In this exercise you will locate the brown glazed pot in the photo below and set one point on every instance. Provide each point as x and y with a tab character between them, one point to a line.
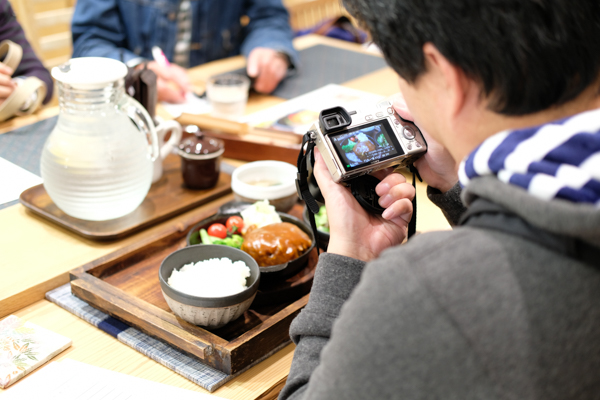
201	161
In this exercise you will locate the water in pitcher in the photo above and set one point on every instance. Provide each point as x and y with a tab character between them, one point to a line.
97	162
92	178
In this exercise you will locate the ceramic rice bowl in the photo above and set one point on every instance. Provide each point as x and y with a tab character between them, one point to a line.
209	312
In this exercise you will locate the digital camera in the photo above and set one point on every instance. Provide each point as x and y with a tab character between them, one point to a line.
355	143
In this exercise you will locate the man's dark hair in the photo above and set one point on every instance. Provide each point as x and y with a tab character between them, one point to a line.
527	54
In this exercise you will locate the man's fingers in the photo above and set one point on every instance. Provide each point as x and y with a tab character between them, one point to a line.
397	192
252	64
388	182
399	209
321	172
5	70
172	82
6	91
169	92
267	67
401	108
179	76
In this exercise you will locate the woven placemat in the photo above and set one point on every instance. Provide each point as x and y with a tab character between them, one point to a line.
192	369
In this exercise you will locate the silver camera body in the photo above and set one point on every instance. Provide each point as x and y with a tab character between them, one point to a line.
357	143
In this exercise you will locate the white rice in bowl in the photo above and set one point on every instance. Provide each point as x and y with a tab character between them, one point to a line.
211	278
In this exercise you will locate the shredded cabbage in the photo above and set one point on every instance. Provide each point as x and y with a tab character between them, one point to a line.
260	214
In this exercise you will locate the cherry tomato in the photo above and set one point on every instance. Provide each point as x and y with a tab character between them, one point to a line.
217	230
234	224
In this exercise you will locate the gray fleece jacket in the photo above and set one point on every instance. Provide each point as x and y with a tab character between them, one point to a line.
470	313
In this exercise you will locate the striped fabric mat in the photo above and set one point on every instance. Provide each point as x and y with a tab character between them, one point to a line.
201	374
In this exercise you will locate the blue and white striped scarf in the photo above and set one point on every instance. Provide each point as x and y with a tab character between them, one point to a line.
558	160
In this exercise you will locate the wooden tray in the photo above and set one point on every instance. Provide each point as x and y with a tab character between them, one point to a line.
166	198
125	285
246	143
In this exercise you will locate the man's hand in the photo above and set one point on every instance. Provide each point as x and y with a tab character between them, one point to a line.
353	231
7	86
436	167
172	82
268	67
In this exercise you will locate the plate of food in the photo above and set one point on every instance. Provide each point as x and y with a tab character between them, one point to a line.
279	242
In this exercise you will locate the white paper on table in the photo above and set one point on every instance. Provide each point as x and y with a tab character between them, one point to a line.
74	380
14	180
193	105
298	114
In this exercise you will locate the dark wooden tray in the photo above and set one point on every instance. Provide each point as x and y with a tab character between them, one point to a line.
125	285
167	197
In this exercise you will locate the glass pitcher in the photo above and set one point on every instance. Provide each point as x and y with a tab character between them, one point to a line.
97	162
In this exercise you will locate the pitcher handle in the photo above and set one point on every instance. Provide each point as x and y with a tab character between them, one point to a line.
140	117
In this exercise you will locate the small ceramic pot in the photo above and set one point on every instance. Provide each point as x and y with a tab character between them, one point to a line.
201	161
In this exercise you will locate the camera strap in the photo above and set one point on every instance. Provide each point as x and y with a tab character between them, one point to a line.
302	182
412	225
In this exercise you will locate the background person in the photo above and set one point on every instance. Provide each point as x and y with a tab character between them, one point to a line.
190	33
504	306
30	65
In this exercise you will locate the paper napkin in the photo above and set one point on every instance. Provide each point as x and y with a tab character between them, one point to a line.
25	346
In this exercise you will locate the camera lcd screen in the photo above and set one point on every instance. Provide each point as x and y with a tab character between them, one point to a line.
363	145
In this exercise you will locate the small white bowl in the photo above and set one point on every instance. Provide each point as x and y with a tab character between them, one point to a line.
266	180
210	312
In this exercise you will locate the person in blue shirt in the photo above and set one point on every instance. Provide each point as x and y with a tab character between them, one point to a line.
190	33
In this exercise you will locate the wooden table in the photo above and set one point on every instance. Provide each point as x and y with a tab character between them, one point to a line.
36	255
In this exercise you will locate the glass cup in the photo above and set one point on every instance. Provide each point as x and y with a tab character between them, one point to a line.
228	95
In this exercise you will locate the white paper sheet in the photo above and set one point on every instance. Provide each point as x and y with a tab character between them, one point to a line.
14	180
193	105
298	114
74	380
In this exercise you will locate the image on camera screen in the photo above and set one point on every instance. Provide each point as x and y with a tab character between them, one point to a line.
366	144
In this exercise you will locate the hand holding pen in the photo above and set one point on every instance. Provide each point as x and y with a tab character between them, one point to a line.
172	82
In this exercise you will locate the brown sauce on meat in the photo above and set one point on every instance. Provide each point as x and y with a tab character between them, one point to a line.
276	243
362	149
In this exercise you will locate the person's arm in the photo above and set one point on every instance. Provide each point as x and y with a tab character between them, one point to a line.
449	202
30	64
268	44
379	332
98	31
335	279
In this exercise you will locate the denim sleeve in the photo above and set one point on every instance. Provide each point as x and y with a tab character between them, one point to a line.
98	31
269	27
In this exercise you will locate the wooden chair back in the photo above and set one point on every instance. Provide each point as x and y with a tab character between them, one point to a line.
306	14
47	24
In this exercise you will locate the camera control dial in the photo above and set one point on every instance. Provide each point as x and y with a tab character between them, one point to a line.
408	132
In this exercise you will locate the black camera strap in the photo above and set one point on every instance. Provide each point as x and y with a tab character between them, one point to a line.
302	182
412	225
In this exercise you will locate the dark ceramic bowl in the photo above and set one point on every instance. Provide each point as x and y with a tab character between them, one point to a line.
271	272
322	237
210	312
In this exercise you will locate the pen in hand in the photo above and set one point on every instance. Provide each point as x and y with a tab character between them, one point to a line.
160	57
173	83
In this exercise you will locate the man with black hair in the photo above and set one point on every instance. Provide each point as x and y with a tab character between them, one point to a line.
505	305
